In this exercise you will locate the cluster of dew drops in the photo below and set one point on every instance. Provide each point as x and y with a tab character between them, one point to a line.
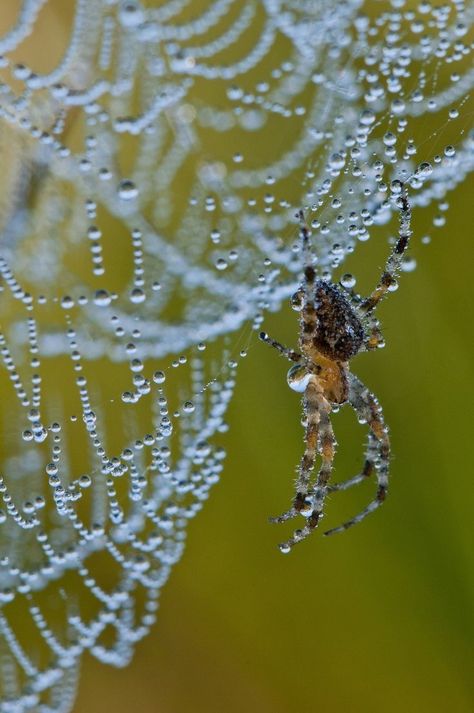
348	174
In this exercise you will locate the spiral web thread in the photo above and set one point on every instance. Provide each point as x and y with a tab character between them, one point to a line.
139	228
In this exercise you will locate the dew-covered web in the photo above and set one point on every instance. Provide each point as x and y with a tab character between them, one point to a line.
151	176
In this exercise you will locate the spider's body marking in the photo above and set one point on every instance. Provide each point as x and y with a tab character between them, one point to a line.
339	333
332	375
334	327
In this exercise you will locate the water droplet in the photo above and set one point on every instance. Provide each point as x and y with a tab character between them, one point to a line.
389	139
408	265
137	295
234	93
102	298
424	170
336	161
348	280
131	14
136	365
105	174
398	106
127	190
367	117
221	264
93	232
202	449
40	434
67	302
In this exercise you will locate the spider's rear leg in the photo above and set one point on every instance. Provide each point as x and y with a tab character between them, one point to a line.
310	501
311	408
368	469
368	408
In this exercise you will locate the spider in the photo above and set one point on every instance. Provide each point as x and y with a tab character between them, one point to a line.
335	325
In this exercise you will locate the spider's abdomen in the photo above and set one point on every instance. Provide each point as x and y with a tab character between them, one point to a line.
339	333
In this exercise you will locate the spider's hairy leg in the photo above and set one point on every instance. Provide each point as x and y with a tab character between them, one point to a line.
394	261
368	469
310	501
284	351
327	450
290	354
375	338
367	407
305	295
308	258
312	417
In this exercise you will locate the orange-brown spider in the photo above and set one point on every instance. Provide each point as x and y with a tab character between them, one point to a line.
335	325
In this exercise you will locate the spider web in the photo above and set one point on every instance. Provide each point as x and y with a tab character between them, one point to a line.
147	211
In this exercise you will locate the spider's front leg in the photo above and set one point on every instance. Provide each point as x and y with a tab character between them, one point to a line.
319	437
393	264
284	351
290	354
368	408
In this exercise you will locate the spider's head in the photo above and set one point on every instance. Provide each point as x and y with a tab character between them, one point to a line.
298	378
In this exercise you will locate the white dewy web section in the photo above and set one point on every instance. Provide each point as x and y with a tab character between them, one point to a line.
178	142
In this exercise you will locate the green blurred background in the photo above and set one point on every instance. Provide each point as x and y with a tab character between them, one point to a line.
376	619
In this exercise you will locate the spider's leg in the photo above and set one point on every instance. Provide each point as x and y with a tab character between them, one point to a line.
367	470
313	498
367	406
394	261
288	353
305	295
327	449
375	338
308	257
312	415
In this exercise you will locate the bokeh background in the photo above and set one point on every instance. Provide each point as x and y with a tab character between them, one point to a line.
377	619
